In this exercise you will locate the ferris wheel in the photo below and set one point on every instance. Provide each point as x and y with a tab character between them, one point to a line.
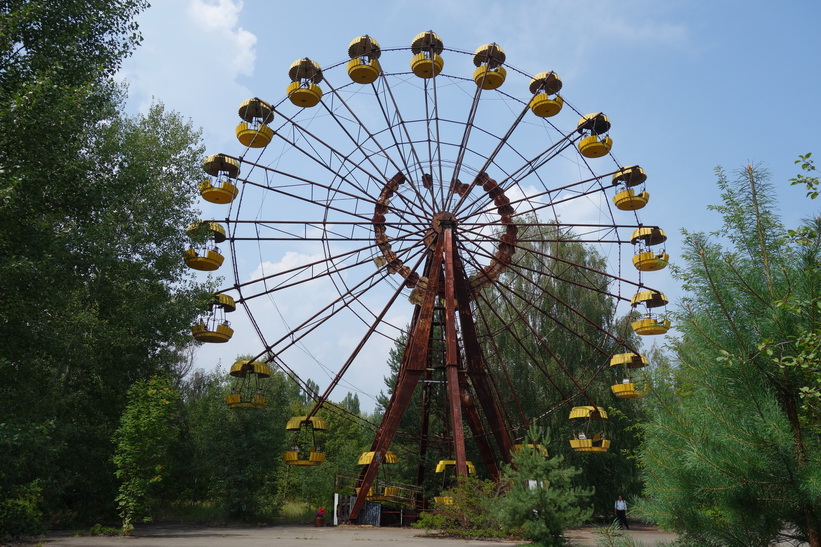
424	198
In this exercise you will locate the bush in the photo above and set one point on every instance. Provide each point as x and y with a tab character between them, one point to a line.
541	499
21	515
468	513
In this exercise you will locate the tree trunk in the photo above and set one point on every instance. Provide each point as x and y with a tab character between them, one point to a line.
810	518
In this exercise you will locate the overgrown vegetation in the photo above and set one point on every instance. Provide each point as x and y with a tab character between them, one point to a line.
93	209
541	498
731	455
467	510
535	499
143	445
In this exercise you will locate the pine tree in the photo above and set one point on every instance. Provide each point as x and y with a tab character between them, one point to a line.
728	458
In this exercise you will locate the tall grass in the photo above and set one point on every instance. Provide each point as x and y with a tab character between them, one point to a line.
296	512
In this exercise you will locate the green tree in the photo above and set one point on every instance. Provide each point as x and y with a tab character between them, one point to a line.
728	458
351	403
541	498
93	209
466	510
804	361
144	442
555	286
234	456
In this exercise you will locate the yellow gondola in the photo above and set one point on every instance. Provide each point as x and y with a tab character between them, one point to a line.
221	189
595	143
426	61
445	465
649	324
247	387
304	450
628	388
384	493
303	90
628	199
651	262
630	176
367	457
253	131
448	468
546	101
212	326
205	256
314	422
363	68
648	235
594	147
295	457
244	367
489	73
646	258
630	360
651	299
208	261
585	440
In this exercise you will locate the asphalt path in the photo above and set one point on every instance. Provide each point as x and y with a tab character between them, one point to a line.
188	535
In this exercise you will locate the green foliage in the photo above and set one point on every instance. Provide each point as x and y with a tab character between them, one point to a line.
94	207
96	282
351	403
556	288
541	498
20	512
143	446
468	511
233	457
293	512
731	457
73	40
809	181
100	530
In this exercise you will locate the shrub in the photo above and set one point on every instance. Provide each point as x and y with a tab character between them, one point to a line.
469	511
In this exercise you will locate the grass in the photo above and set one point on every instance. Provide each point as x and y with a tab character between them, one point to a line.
208	512
100	530
296	512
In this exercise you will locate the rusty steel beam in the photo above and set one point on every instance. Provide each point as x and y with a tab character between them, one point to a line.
414	361
457	429
423	439
476	368
452	356
476	427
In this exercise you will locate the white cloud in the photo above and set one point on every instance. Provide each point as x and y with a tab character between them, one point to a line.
289	261
193	56
220	20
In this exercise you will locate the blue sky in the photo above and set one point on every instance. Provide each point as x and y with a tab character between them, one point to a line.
688	85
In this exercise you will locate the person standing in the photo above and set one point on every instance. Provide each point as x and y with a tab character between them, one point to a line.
621	512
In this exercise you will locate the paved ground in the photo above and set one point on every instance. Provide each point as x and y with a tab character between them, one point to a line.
185	535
